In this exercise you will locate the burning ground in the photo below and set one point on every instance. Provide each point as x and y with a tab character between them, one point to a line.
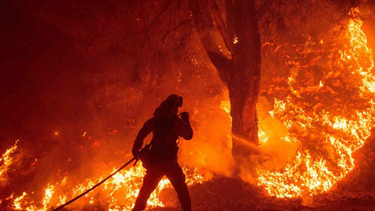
74	111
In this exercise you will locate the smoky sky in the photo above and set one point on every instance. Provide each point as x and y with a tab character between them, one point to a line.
37	60
40	63
74	64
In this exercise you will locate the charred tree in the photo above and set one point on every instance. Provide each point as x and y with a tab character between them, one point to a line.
234	47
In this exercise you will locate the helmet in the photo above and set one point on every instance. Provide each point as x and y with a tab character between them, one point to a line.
174	100
169	106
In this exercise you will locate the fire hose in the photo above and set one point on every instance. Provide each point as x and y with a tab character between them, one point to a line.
84	193
143	151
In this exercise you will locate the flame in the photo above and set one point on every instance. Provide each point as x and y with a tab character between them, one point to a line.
17	201
62	200
48	195
329	119
121	191
7	160
225	105
262	135
235	39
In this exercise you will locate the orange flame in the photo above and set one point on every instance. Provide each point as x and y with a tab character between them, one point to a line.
121	191
7	160
326	156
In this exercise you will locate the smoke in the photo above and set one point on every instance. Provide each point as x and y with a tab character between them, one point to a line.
211	146
273	151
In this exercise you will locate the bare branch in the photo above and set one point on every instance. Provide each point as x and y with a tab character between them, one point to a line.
183	23
152	22
209	33
221	26
264	8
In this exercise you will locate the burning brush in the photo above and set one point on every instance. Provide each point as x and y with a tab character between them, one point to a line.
328	109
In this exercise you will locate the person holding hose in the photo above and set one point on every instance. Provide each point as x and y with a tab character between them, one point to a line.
160	156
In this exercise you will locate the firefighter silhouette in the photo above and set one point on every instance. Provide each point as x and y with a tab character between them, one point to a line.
160	158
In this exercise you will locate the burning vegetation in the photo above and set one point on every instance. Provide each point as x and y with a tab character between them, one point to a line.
314	113
327	106
120	192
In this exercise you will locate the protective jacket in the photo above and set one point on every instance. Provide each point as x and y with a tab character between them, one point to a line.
166	133
162	158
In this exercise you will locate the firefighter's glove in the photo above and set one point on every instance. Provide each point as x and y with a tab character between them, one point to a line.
185	116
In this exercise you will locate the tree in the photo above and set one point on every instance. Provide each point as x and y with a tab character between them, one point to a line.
238	64
233	44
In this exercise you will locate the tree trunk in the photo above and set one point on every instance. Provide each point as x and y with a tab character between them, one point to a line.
238	65
244	90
